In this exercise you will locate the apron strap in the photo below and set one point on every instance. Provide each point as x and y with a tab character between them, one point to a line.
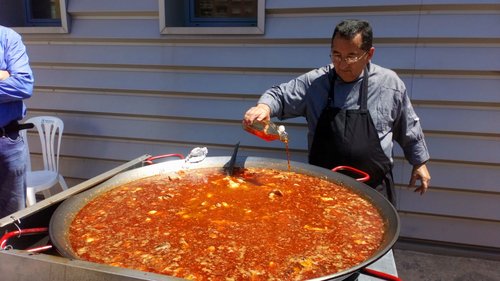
331	95
363	92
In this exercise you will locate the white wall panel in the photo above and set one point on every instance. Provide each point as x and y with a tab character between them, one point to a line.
197	107
465	89
321	26
328	3
112	5
169	130
450	230
478	58
255	56
460	176
460	120
477	26
451	203
463	148
159	80
135	28
274	4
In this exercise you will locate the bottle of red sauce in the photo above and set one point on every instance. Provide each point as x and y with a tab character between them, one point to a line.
267	131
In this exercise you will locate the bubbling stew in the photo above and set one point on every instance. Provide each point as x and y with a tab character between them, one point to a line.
259	224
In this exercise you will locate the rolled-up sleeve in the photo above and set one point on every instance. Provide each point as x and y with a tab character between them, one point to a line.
286	100
304	96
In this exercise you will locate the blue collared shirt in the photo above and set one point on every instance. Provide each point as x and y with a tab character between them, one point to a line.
19	85
388	104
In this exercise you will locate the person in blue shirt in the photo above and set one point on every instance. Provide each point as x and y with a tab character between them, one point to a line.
16	84
354	109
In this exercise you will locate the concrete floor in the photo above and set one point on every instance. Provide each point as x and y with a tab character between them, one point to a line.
415	264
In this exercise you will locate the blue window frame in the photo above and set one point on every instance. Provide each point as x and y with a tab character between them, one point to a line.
43	12
200	17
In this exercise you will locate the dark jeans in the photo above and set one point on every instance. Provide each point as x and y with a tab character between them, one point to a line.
13	157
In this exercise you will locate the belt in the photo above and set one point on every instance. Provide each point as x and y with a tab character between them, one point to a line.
14	126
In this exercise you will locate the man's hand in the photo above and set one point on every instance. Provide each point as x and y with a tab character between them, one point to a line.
421	173
260	112
4	74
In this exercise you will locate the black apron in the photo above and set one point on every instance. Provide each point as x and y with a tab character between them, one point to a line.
349	137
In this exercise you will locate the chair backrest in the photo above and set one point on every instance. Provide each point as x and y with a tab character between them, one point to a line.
50	130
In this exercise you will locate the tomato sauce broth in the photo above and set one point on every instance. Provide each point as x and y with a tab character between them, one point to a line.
259	224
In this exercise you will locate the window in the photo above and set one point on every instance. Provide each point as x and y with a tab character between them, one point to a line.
212	16
43	12
222	13
35	16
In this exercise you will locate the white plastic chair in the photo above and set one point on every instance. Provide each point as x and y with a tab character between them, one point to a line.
50	130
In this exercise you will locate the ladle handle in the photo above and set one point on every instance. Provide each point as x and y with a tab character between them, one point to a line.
149	160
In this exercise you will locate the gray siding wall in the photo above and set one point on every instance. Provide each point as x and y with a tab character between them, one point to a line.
124	90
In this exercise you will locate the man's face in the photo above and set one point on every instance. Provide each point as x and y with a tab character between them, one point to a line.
348	57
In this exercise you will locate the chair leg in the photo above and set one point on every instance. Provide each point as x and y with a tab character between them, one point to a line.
62	182
30	197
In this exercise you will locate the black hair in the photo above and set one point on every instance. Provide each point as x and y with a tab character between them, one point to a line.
349	28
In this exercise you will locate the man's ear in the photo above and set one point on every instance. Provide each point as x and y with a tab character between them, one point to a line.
370	53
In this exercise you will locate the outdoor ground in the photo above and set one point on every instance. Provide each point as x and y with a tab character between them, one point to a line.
463	265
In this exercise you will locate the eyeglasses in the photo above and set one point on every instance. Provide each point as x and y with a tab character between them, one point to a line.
348	59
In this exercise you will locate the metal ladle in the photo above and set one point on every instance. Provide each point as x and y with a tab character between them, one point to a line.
230	166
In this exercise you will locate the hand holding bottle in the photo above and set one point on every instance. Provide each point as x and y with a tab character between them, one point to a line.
260	112
267	130
257	121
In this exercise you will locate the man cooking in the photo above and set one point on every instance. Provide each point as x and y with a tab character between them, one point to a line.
354	110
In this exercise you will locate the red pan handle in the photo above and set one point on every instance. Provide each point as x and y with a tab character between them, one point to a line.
364	176
381	275
38	230
149	160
